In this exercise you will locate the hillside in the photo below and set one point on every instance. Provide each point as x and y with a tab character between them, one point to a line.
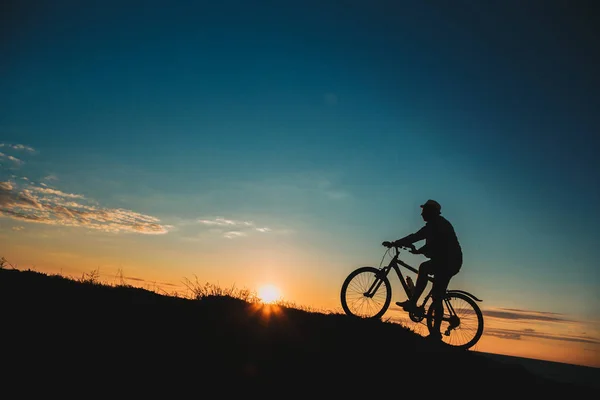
62	336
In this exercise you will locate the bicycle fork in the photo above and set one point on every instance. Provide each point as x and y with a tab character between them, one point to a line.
376	284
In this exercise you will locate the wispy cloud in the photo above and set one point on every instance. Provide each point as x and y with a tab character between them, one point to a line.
6	148
514	314
548	325
233	234
17	147
10	158
220	221
41	203
518	334
231	228
55	192
55	207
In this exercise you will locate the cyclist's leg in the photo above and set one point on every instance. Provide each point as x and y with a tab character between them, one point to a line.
425	269
438	291
446	270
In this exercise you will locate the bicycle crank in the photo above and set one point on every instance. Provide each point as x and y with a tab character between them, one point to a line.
417	316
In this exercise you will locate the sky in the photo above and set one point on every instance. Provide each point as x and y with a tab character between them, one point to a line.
246	143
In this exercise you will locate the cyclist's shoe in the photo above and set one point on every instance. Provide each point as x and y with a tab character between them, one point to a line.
408	305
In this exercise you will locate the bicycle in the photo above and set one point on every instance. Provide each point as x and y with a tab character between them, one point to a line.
367	293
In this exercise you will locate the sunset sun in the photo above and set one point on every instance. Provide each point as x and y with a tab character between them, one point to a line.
268	294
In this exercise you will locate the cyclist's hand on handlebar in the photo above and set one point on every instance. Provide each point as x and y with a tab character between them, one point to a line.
387	244
413	249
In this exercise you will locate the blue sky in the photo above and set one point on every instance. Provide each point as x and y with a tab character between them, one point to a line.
327	122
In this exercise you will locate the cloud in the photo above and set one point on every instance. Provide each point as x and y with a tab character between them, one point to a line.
16	161
55	207
219	221
504	334
17	147
13	159
10	198
518	334
542	319
231	228
514	314
57	192
233	234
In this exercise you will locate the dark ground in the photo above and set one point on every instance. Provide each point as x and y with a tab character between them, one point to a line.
65	338
562	372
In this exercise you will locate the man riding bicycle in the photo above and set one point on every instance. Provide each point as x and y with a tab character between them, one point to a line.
445	260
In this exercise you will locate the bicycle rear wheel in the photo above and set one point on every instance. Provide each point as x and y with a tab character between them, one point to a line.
462	322
365	293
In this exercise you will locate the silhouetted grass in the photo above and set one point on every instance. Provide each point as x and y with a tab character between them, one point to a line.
84	337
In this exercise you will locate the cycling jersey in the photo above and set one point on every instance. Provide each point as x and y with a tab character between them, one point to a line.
440	238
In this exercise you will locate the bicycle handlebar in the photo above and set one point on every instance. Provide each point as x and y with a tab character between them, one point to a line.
410	247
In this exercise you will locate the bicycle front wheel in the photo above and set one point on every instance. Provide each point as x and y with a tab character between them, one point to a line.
366	293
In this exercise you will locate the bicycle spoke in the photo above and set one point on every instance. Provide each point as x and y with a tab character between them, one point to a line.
355	299
462	322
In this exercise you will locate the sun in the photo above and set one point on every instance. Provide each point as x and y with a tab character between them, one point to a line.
269	294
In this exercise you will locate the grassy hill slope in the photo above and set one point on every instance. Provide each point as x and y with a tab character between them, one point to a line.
70	338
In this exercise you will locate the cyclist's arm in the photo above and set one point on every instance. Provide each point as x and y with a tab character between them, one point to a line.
423	250
421	234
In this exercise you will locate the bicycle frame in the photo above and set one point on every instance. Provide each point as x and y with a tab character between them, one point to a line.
395	264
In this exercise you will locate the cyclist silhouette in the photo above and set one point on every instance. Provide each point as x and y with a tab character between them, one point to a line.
445	260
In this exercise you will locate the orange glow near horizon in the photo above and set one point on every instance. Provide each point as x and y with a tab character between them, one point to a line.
267	311
529	334
269	294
